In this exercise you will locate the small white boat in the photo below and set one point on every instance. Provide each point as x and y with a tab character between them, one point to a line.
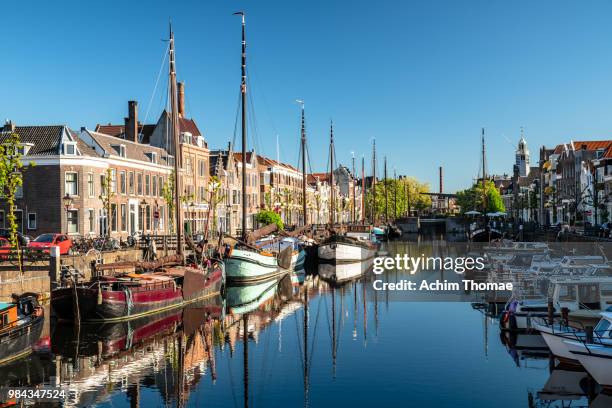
343	272
596	357
342	248
554	336
276	246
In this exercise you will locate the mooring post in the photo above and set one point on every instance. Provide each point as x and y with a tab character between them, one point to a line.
54	265
565	315
551	310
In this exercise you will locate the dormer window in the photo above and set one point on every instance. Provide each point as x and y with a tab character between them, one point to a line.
24	148
187	137
153	156
599	153
69	149
120	150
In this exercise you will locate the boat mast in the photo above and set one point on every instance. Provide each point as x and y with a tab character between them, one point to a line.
363	189
484	174
331	173
386	196
303	146
354	182
243	91
306	362
177	152
394	194
373	210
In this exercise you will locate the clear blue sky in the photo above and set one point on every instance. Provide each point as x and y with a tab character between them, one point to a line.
421	76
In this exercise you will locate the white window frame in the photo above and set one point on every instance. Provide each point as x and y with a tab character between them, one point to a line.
91	185
72	210
91	216
76	183
65	148
29	226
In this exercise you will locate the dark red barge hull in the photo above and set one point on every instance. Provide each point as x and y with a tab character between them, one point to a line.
129	304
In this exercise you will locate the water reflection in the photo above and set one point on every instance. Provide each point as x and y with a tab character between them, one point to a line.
317	337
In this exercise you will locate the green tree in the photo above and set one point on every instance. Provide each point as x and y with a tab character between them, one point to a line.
216	196
409	196
106	196
267	217
168	196
472	198
11	179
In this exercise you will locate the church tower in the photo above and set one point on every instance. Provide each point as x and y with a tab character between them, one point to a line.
522	156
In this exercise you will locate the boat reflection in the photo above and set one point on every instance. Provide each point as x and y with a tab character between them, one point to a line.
343	272
93	361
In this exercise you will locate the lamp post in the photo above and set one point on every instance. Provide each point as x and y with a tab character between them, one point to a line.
67	200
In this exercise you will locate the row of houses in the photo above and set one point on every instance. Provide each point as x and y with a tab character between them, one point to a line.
66	181
570	183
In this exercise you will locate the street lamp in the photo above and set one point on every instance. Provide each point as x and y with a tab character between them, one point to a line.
67	200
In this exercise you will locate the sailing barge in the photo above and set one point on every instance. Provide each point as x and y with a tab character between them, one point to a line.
132	295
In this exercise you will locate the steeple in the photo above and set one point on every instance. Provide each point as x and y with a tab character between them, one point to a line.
522	156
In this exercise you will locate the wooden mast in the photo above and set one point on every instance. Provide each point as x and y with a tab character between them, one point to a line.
484	175
243	91
177	151
363	189
374	182
354	197
303	147
331	173
386	196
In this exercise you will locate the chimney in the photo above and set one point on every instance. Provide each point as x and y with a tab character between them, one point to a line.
181	99
584	146
9	126
441	181
131	122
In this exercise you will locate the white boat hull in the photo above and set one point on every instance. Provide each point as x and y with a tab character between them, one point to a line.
557	346
341	252
250	266
596	359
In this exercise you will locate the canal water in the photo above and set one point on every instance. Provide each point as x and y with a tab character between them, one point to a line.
317	338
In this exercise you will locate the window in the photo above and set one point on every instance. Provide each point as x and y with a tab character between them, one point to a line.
113	183
31	221
147	184
123	217
90	185
19	192
154	157
201	168
122	151
69	148
148	217
188	165
154	186
122	182
114	217
131	182
91	218
1	219
73	221
102	189
139	184
160	180
202	193
71	186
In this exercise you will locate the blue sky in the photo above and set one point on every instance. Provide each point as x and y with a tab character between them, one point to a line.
421	76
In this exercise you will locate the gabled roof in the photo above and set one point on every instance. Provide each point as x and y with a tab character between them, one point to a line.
266	161
46	140
592	144
320	177
134	151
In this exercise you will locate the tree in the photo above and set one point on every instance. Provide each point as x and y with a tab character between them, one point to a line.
413	197
216	196
106	196
168	196
11	178
472	198
267	217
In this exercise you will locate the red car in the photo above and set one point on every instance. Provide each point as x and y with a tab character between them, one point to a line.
5	248
46	241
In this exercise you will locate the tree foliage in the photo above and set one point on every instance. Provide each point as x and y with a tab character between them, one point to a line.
11	178
267	217
472	198
402	195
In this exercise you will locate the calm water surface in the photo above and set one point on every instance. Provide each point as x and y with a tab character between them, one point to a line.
302	341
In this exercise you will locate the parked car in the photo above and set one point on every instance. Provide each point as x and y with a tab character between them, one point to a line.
5	248
24	240
45	241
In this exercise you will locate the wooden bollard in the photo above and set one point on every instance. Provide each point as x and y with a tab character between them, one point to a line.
54	265
551	311
588	330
